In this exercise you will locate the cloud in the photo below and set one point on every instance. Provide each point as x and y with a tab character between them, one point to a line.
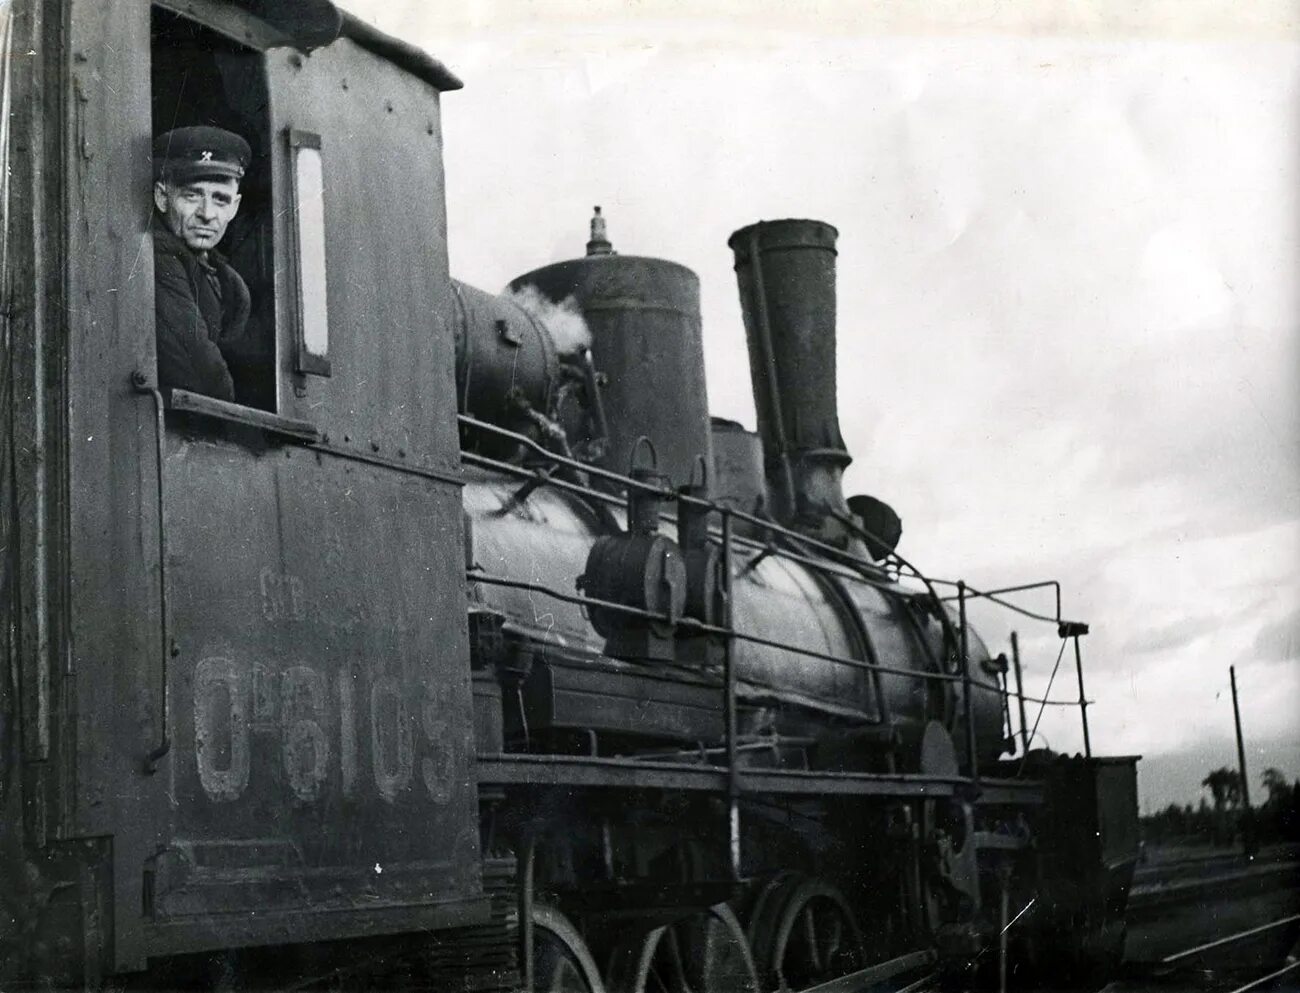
1279	641
1171	637
1175	777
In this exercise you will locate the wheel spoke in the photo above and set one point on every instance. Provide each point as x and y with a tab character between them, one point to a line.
677	967
835	938
815	962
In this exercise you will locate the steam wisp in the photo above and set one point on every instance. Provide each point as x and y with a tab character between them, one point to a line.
564	320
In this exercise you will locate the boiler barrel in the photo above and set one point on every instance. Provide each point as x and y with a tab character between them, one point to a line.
545	540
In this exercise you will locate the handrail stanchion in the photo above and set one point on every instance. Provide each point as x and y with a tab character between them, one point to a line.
1075	630
966	684
1020	689
729	691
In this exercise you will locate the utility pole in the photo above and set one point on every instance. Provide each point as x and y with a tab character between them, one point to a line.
1247	825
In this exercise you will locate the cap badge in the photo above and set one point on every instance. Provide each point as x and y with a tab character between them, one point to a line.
205	156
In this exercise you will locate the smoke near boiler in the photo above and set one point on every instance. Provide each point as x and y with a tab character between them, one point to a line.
563	320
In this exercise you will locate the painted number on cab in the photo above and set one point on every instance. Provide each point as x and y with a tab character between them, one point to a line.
311	728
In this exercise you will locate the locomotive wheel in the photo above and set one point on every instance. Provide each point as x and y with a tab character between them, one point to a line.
804	933
706	953
561	962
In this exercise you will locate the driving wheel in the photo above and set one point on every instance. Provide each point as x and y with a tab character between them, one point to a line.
804	933
561	962
704	953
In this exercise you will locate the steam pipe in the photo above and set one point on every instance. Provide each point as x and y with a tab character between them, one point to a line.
768	358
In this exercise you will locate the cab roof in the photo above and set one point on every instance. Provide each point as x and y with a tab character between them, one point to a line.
313	24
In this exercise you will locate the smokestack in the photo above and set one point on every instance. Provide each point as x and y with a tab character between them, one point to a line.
786	272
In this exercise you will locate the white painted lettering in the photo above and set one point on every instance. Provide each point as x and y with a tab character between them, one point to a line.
221	690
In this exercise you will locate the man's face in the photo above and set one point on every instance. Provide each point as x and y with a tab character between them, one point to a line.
198	210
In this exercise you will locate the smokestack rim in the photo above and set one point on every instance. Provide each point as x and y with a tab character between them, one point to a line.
786	233
603	282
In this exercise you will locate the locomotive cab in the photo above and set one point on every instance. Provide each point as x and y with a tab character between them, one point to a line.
242	707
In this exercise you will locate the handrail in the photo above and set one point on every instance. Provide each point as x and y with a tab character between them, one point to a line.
839	555
477	575
143	383
540	477
972	593
837	562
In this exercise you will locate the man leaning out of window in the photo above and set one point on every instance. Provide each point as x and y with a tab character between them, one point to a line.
201	303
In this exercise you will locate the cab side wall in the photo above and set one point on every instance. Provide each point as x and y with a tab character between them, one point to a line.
386	253
112	689
388	453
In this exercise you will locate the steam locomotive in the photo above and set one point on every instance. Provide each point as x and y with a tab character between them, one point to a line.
463	650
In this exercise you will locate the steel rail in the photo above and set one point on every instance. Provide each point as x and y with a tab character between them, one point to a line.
919	985
1229	939
1256	983
873	975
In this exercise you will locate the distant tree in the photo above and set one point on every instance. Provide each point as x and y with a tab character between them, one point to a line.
1276	819
1279	790
1279	817
1224	785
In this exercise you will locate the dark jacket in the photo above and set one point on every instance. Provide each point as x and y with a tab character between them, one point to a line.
200	308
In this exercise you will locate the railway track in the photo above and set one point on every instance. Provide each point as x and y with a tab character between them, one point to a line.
1238	962
1210	925
1222	924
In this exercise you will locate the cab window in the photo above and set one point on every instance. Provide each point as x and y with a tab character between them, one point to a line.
201	77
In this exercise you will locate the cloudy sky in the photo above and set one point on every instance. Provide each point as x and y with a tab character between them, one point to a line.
1069	289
